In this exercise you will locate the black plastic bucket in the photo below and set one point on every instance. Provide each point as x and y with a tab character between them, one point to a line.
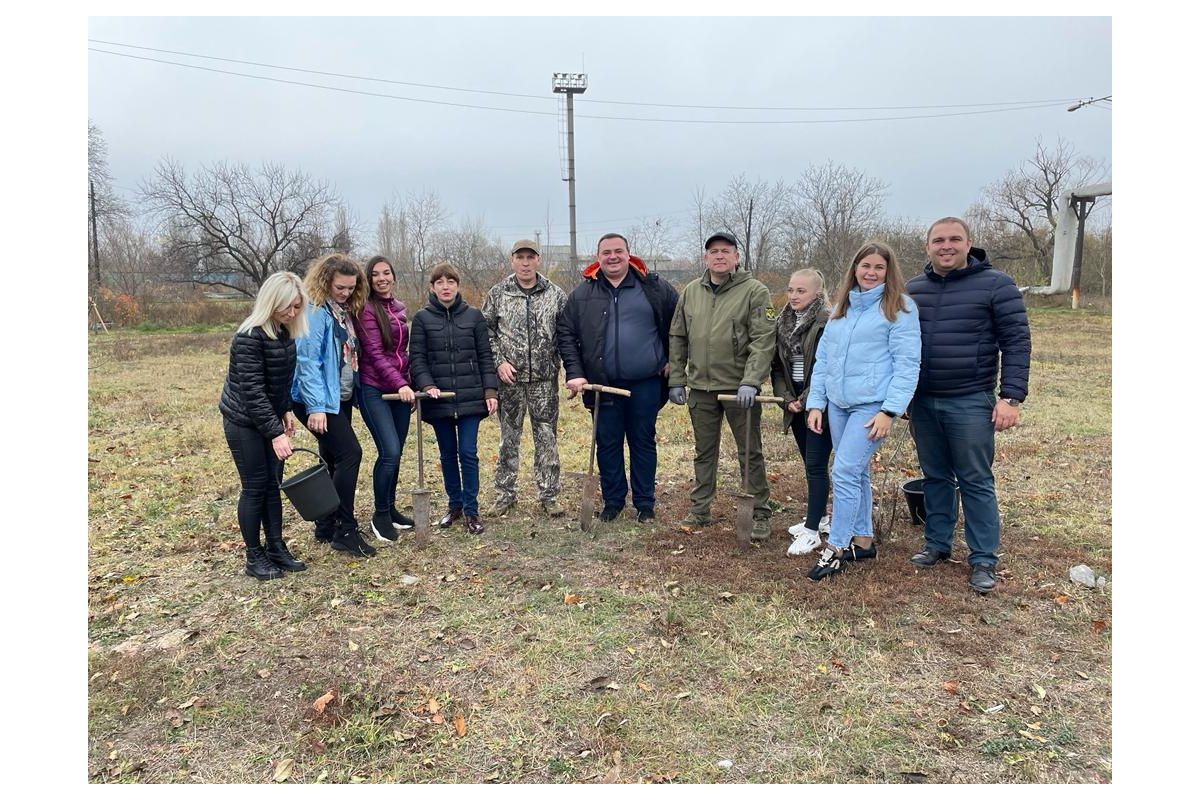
311	491
914	494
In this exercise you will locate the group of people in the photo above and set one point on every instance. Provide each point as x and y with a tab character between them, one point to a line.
843	367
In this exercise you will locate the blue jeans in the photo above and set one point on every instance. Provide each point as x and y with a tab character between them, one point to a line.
387	420
456	440
628	420
851	471
956	440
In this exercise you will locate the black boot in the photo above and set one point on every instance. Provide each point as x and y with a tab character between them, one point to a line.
259	566
278	553
349	540
326	529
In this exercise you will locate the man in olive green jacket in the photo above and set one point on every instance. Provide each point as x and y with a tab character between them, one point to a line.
722	342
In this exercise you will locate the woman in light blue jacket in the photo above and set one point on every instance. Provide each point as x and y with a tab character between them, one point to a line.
323	390
867	366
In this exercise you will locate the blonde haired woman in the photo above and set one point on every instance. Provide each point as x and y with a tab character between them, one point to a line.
798	332
254	406
324	388
867	367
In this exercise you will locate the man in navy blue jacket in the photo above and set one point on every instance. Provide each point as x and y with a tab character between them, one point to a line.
973	324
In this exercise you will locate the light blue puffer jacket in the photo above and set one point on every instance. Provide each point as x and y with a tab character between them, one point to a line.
863	358
317	385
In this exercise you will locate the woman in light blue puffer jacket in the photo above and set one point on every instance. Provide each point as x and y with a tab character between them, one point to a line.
868	362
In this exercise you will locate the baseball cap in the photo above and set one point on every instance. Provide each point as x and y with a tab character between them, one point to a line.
721	236
525	244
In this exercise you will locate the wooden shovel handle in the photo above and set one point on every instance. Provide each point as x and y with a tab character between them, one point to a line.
762	398
595	387
421	395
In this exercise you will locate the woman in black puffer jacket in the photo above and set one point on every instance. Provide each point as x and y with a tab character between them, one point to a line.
255	405
449	351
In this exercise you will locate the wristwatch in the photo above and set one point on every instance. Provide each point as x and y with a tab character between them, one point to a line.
1011	402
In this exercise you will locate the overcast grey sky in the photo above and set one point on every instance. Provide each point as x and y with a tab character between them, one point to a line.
506	166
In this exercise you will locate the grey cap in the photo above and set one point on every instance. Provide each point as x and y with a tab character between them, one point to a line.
721	236
525	244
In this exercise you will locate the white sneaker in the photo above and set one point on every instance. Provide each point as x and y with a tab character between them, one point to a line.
797	529
823	526
806	542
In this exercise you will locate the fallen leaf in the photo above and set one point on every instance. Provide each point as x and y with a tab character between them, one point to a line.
324	700
1062	599
353	646
264	673
726	596
822	668
460	725
665	777
545	588
571	599
283	770
187	703
1031	736
683	695
1082	675
1033	726
1098	625
644	687
437	719
337	601
950	686
837	662
433	705
1039	691
908	643
1035	710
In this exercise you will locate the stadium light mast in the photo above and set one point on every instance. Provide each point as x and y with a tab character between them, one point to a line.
571	84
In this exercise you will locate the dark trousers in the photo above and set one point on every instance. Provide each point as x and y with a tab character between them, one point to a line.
456	440
259	506
387	420
815	448
628	421
339	448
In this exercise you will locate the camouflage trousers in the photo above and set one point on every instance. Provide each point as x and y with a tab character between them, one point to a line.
540	398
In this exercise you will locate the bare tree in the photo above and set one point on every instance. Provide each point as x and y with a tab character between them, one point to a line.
480	262
834	210
133	261
652	240
753	211
698	206
104	206
1026	199
235	226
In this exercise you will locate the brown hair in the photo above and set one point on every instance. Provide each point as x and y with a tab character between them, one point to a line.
945	220
444	269
612	236
320	276
893	283
381	316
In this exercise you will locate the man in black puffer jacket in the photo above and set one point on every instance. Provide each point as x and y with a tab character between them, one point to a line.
973	323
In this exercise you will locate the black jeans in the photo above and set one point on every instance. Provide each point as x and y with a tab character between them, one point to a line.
343	455
259	506
815	447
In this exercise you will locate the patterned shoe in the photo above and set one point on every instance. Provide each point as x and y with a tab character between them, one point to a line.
831	562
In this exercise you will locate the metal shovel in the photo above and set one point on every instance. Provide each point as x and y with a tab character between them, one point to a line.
589	482
745	500
420	495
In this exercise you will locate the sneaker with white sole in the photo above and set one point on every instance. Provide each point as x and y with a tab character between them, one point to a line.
823	525
805	542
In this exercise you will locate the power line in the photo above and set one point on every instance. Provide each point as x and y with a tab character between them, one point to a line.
581	116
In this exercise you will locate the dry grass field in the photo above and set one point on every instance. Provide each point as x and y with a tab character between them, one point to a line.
535	653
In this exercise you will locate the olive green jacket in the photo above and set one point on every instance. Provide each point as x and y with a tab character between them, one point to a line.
721	340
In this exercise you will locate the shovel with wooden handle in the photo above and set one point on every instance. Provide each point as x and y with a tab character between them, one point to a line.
745	500
420	495
587	496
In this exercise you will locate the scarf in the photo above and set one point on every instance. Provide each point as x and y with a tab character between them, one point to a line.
350	346
792	327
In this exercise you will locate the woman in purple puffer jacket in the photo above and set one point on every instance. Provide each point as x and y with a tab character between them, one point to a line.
383	369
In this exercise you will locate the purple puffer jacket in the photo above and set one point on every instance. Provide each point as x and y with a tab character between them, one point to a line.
386	370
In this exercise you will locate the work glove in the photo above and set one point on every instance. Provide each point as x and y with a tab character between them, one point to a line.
746	395
675	395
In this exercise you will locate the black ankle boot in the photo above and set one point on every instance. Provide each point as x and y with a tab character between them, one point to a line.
259	566
278	553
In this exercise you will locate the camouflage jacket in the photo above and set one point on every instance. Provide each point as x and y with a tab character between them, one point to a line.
521	327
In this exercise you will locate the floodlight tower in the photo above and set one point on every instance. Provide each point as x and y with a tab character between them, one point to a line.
571	84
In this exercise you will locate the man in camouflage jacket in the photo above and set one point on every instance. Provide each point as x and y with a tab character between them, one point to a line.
521	312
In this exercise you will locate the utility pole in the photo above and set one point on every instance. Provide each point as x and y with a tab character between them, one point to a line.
95	238
571	84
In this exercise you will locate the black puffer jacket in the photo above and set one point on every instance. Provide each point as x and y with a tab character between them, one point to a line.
583	323
258	387
449	349
969	319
